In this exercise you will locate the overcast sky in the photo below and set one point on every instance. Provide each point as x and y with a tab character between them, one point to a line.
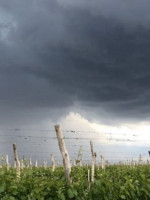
78	56
81	56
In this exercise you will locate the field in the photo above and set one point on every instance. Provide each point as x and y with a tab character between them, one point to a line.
115	183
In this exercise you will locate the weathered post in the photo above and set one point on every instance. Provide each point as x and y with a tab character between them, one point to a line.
45	164
81	163
7	163
30	163
74	163
53	162
102	162
140	159
93	162
64	153
132	163
17	163
36	163
89	177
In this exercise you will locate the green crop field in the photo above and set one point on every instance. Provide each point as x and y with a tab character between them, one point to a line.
116	183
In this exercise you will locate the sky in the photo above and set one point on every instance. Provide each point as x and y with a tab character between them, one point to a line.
63	61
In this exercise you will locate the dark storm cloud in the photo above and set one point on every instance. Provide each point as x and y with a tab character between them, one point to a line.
56	54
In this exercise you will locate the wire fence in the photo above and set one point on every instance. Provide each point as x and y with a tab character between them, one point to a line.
40	143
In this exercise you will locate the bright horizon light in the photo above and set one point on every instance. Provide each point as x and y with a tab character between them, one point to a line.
130	134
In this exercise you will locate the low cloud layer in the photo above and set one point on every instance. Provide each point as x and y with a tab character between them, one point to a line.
75	55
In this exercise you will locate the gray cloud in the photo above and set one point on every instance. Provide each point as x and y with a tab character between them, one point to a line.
70	55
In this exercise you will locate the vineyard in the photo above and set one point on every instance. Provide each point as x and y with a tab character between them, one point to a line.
115	183
76	181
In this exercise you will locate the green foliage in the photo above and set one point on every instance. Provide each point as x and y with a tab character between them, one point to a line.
116	183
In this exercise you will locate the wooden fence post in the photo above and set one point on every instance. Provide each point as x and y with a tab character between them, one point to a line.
36	163
64	153
16	160
89	177
53	162
30	163
93	162
102	162
140	159
7	163
45	164
74	163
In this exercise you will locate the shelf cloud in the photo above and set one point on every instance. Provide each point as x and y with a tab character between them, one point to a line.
82	56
